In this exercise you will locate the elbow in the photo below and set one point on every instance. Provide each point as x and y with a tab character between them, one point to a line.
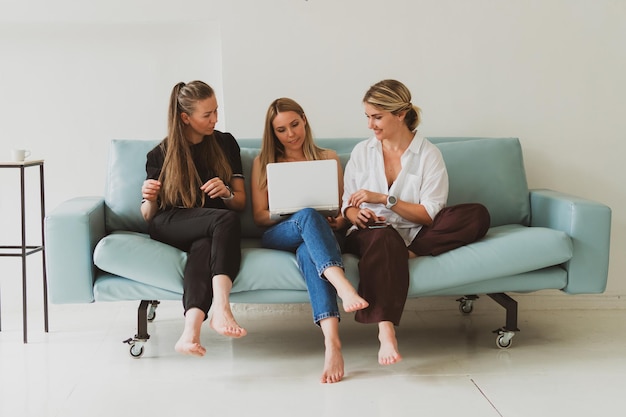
427	220
239	207
258	219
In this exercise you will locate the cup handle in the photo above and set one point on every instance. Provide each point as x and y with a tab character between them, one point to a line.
26	154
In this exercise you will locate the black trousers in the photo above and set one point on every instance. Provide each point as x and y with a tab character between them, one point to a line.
211	238
383	263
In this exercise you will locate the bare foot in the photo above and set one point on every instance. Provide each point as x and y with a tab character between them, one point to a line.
388	353
333	365
224	323
353	302
189	347
189	342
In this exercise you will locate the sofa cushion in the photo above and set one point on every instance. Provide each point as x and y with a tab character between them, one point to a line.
490	172
138	257
494	176
267	269
122	194
248	228
505	251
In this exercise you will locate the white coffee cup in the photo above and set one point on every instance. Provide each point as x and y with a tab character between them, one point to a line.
19	155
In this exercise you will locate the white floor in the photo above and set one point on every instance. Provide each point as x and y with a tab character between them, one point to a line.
561	363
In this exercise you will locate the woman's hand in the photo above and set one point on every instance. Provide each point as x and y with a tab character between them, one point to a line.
215	188
150	190
337	223
366	217
366	196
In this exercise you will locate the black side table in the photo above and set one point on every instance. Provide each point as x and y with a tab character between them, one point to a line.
24	250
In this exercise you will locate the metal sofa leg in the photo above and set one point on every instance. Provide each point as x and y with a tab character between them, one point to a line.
143	316
506	333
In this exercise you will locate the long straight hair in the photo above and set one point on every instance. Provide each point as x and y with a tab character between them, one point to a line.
271	148
180	179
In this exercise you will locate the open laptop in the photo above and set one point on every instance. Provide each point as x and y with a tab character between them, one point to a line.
292	186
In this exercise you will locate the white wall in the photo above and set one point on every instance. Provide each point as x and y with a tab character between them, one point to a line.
547	71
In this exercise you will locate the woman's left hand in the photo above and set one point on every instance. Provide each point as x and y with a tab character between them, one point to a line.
215	188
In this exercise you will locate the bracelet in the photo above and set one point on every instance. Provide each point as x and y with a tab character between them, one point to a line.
232	195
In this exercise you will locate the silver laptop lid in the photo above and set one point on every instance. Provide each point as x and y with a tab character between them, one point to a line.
292	186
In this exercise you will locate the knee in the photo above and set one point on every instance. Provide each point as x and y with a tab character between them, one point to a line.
230	220
387	239
483	220
309	215
201	246
390	237
230	216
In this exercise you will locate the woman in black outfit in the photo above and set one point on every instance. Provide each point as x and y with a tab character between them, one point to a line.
193	189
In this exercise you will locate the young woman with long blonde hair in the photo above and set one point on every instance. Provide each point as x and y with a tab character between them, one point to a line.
194	188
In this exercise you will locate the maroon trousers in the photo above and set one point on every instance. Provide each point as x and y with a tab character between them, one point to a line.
383	264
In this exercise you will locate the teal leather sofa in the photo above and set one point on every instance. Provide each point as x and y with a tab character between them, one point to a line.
97	248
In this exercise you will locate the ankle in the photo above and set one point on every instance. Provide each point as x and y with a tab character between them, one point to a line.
332	343
386	331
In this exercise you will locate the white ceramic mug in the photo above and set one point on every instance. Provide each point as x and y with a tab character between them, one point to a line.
19	155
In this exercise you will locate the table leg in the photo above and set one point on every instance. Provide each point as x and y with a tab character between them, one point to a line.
24	292
43	250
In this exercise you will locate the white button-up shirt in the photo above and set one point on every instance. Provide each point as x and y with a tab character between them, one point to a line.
423	179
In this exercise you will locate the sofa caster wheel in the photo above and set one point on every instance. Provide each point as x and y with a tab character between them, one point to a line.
151	315
136	350
466	307
504	339
466	304
135	347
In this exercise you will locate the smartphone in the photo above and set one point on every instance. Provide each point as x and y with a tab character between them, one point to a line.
378	225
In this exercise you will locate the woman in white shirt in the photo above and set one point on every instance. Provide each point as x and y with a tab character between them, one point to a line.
395	192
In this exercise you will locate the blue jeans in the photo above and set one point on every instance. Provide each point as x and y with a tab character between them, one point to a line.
308	234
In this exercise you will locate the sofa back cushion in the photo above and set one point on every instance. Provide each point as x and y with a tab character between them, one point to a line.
490	172
484	170
248	228
126	172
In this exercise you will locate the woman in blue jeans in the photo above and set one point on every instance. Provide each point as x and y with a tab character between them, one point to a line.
288	137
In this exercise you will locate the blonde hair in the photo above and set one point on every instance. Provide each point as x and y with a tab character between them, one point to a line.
272	149
180	179
394	97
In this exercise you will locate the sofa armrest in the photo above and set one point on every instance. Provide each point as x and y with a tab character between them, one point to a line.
588	223
72	230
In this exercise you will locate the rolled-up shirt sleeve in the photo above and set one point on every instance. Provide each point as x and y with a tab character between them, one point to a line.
434	190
